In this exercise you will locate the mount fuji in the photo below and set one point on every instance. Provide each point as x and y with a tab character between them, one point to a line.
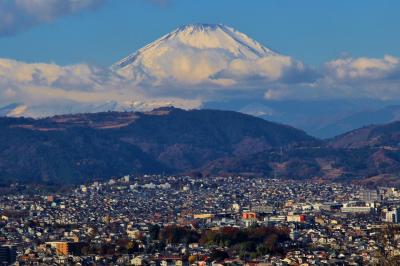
200	36
178	69
211	54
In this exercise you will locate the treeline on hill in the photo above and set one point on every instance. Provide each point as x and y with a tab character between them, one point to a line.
223	243
228	241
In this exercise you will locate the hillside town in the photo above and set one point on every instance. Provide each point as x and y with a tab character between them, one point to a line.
182	220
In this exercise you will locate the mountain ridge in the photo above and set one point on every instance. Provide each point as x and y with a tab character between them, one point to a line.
75	148
78	148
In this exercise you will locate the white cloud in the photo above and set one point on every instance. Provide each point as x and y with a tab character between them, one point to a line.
363	68
265	70
19	15
47	89
196	68
82	76
363	77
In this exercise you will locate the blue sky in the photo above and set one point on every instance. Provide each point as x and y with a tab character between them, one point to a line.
313	31
55	54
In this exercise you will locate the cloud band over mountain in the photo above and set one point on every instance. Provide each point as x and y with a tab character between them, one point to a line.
190	66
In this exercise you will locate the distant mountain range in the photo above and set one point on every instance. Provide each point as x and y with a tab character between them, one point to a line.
325	119
82	147
374	136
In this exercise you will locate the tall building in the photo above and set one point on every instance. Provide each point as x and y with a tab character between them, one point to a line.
357	207
393	216
370	195
294	234
126	178
8	255
60	247
262	208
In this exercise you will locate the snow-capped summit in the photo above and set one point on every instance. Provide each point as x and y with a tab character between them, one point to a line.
191	54
203	36
218	36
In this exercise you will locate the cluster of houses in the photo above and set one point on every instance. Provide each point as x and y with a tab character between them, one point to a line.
111	223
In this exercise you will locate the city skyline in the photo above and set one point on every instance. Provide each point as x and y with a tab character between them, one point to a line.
199	132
